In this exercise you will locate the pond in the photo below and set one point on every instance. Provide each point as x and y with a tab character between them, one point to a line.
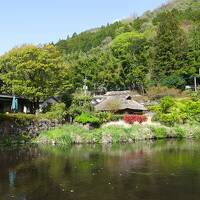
159	170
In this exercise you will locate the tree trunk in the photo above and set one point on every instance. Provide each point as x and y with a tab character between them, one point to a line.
35	105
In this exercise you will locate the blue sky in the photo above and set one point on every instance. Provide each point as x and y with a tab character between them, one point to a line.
43	21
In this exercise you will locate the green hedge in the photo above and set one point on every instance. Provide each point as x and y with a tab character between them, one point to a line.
86	118
19	118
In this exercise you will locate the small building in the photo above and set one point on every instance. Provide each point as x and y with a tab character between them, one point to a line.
119	102
6	101
50	101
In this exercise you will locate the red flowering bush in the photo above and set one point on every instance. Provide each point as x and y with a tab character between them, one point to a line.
131	119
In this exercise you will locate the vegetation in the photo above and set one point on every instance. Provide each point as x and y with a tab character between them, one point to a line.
57	111
34	72
171	111
170	51
81	103
87	118
71	134
18	118
158	48
157	54
131	119
158	92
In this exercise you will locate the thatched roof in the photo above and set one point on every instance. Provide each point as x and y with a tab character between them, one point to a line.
115	101
118	93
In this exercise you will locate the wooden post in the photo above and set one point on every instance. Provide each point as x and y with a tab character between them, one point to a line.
195	83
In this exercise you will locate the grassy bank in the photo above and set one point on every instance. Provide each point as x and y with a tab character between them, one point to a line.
71	134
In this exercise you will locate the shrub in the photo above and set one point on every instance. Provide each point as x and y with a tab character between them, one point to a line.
170	111
131	119
166	103
86	118
195	96
167	119
180	132
117	117
57	111
19	118
108	116
192	109
159	132
104	116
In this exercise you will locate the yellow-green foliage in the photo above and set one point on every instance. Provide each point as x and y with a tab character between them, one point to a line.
104	116
33	71
124	41
171	111
86	118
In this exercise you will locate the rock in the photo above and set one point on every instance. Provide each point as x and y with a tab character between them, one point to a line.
32	129
78	139
106	139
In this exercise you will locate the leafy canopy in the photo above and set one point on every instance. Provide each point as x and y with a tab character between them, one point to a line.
35	72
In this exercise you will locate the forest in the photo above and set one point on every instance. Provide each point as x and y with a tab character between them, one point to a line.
160	48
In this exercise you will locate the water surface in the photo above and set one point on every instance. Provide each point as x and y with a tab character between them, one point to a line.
167	170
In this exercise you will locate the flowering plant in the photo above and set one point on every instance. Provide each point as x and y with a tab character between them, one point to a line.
131	119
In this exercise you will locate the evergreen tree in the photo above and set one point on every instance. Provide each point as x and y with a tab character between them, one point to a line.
194	48
170	47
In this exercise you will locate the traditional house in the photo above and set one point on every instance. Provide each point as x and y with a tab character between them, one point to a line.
119	102
6	102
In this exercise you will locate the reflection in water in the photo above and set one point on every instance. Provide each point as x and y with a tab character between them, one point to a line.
149	170
12	177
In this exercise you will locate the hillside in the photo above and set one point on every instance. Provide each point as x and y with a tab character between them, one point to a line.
182	4
177	21
98	36
159	49
88	39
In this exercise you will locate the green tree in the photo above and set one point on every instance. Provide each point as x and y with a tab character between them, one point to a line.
194	48
170	47
131	49
34	72
173	81
81	103
100	68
